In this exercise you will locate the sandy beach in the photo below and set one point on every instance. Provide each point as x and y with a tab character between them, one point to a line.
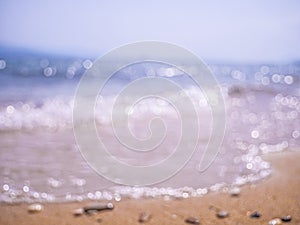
275	197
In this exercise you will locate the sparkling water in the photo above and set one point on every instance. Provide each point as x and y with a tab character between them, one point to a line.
40	160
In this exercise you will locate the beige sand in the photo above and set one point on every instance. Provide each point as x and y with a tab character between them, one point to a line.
277	196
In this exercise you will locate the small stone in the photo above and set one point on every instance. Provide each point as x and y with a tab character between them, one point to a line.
275	221
34	208
286	219
78	212
192	220
255	214
144	217
97	207
235	191
91	212
174	216
222	214
99	220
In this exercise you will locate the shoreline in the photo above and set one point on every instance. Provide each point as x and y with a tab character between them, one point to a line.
274	197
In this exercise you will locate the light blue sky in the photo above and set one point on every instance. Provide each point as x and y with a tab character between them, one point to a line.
237	31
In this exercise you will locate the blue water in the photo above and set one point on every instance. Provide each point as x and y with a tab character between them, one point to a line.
36	137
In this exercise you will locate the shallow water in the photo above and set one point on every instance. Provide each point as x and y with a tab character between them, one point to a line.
40	160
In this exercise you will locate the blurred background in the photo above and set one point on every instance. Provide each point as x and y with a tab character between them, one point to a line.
252	47
248	31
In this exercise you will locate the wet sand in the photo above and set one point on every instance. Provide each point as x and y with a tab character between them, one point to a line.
276	196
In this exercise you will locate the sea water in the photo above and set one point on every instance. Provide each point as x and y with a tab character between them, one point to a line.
41	161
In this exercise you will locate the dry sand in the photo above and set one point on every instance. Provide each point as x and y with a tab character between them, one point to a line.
276	196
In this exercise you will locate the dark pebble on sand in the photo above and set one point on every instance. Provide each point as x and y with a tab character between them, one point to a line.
97	207
222	214
255	214
192	220
144	217
287	218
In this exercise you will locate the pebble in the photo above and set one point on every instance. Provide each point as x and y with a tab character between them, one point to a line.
255	214
97	207
222	214
235	191
192	220
144	217
78	212
174	216
287	218
34	208
99	220
275	221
